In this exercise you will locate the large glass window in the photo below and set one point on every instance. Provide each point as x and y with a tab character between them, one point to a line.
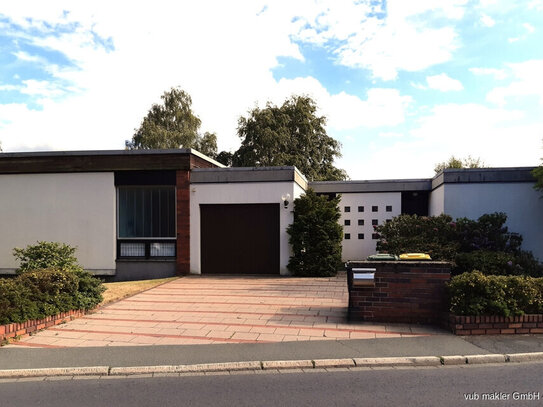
146	212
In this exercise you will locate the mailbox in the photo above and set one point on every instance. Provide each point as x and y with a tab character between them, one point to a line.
363	277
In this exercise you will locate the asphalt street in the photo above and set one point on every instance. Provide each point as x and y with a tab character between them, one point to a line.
495	385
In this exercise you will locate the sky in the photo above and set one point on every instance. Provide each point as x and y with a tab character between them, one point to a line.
404	84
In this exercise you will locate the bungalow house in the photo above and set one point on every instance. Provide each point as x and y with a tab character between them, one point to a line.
156	213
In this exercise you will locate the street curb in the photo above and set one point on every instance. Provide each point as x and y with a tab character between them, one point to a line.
56	371
270	365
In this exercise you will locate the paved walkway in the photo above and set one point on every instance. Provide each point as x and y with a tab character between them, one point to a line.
207	310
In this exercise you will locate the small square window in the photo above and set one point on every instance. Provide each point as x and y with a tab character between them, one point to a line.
361	235
347	209
360	222
375	236
347	236
374	208
374	222
389	208
347	222
360	209
388	220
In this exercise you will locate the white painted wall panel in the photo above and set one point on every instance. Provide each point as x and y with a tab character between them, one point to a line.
522	204
241	193
436	204
360	249
77	209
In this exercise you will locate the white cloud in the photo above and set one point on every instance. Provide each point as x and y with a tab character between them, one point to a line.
527	82
498	74
405	39
499	137
487	21
529	27
444	83
391	134
382	107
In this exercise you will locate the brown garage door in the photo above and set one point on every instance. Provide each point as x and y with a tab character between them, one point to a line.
240	239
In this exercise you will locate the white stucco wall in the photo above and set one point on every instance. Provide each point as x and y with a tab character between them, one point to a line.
436	201
76	208
241	193
522	204
360	249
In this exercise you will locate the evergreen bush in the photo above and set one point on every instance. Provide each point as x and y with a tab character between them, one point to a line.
315	236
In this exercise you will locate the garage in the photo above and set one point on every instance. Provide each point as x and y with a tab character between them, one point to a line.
239	238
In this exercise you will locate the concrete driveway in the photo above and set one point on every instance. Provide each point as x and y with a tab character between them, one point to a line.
225	309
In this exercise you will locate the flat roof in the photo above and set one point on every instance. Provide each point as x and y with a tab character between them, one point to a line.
394	185
247	174
102	160
479	175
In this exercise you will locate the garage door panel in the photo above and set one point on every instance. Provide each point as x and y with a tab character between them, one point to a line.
240	238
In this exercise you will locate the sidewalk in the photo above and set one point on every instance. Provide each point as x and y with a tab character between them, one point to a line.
439	345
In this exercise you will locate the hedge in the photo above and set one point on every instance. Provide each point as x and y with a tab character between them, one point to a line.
474	293
41	293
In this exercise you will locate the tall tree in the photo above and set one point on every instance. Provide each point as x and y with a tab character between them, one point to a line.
291	134
454	162
172	124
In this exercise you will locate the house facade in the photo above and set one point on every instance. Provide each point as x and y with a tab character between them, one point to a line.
157	213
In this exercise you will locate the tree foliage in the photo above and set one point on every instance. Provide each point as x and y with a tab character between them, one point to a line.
173	124
454	162
315	236
537	173
290	134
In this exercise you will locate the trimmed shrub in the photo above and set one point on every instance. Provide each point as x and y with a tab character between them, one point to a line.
45	255
315	236
435	235
16	303
487	233
477	294
41	293
49	281
498	263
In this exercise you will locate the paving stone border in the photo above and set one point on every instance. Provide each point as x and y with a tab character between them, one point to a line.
15	329
277	365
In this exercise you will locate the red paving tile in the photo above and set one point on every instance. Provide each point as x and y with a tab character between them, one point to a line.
199	310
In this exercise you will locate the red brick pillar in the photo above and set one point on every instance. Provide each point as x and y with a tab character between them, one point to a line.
183	221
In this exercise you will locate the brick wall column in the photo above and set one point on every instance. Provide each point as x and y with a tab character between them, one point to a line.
183	222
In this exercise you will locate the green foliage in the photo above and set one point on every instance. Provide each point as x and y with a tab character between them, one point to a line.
172	124
15	302
538	175
435	235
487	233
458	163
207	144
291	134
477	294
41	293
44	255
49	281
225	158
484	244
315	236
498	263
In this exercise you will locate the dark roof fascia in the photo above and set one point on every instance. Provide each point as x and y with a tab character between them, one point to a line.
483	175
246	175
397	185
98	161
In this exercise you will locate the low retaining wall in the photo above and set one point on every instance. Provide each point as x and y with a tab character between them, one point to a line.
25	328
404	291
495	325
